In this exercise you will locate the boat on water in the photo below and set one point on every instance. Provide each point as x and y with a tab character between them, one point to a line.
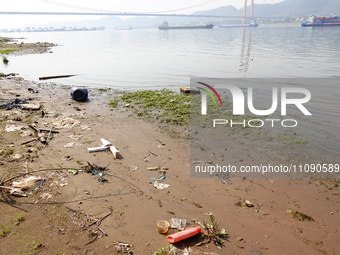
322	21
251	24
165	26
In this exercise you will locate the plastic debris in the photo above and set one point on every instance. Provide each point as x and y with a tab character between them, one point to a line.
152	168
46	196
94	170
105	143
180	224
13	128
26	133
101	179
28	183
132	167
163	226
85	127
78	94
161	178
65	123
123	248
75	137
160	185
97	149
31	106
17	192
73	171
71	145
18	188
179	236
17	156
114	151
248	203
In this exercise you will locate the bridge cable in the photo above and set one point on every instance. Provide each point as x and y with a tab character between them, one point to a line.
103	11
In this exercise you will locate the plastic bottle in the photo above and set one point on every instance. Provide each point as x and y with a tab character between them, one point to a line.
179	236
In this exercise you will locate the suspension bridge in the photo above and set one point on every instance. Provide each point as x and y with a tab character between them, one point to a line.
120	14
95	12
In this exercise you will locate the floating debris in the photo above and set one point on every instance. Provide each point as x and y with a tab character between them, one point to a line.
56	76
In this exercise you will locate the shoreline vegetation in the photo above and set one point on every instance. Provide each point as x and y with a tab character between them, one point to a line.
93	203
10	46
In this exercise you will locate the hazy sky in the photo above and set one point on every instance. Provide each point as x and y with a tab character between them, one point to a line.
167	6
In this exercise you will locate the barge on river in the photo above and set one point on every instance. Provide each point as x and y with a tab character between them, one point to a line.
322	21
165	26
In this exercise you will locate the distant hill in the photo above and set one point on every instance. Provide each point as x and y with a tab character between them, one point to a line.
292	8
286	8
309	7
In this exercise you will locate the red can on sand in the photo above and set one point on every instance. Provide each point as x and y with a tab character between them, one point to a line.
179	236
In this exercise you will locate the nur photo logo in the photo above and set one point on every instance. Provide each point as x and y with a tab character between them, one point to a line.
204	92
243	102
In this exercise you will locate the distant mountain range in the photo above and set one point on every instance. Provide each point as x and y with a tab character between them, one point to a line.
298	8
295	8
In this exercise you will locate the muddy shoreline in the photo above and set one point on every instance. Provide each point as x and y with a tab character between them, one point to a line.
10	46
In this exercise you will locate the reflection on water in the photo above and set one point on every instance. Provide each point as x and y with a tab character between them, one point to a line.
245	50
152	58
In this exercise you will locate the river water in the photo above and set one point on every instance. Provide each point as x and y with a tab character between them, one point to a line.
152	58
155	59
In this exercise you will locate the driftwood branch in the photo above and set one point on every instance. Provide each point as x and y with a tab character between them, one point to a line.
56	76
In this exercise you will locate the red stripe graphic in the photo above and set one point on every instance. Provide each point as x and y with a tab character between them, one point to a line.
213	90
